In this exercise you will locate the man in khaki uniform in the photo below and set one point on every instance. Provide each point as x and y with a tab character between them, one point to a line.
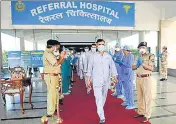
163	68
144	68
57	54
51	71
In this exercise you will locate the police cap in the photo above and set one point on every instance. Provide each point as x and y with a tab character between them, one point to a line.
142	44
52	42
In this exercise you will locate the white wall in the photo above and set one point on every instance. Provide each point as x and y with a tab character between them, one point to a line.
147	18
168	38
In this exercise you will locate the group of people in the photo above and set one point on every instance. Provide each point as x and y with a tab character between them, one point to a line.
97	67
82	64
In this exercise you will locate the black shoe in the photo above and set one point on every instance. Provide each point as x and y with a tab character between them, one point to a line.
162	79
55	111
165	79
49	116
102	121
60	101
138	116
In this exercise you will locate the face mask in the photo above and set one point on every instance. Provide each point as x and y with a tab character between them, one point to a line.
93	49
101	48
56	53
142	50
86	50
117	49
55	48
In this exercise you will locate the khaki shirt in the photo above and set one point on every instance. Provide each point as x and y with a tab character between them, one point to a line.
164	58
50	63
148	59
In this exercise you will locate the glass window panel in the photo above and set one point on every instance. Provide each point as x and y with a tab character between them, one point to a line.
28	45
8	36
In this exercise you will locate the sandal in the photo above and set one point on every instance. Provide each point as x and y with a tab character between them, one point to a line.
59	120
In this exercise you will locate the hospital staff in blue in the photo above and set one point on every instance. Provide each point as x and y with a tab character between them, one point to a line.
127	76
69	69
117	57
100	68
65	79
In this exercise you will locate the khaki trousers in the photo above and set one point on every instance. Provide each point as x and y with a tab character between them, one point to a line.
164	70
52	93
144	96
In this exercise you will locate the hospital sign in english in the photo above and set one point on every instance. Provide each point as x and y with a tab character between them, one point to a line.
74	13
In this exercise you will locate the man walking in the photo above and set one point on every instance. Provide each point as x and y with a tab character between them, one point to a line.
100	68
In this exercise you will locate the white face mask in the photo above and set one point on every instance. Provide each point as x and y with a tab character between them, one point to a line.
86	50
101	48
164	50
117	49
56	53
55	48
93	49
142	51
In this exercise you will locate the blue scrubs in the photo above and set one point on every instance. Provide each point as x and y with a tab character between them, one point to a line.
127	78
65	81
119	88
69	70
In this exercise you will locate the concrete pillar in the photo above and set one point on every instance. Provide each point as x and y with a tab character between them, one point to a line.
35	45
119	40
22	44
141	36
20	34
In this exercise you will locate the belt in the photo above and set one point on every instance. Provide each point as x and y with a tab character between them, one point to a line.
143	75
51	74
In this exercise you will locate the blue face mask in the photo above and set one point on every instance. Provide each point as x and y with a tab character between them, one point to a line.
101	48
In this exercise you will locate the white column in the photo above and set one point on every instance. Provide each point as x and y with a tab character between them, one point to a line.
22	44
20	34
35	45
141	36
119	40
